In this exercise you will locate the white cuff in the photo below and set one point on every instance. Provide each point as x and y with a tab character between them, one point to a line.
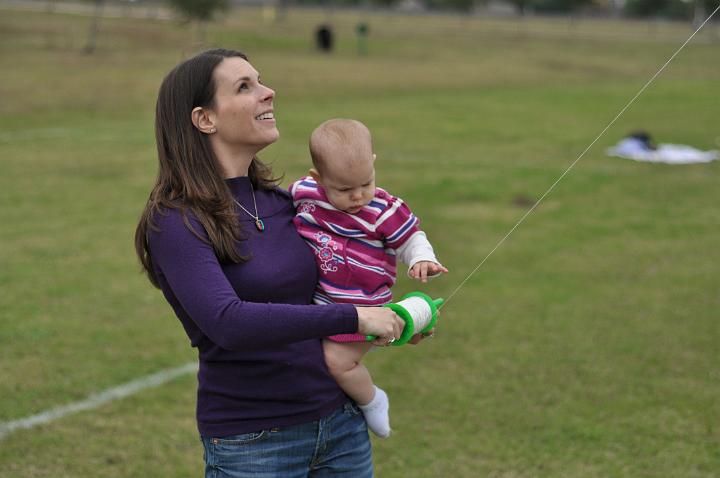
417	249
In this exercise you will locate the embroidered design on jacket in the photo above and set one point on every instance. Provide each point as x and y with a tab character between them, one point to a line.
326	252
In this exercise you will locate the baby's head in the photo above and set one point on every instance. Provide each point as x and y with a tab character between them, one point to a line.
343	161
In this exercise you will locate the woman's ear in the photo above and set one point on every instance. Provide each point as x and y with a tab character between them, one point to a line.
202	120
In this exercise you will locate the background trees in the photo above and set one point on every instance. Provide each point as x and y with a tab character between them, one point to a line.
199	12
677	9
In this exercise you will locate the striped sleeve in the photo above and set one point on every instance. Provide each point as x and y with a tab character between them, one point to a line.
397	223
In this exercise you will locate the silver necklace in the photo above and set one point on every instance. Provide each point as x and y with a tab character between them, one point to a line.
258	222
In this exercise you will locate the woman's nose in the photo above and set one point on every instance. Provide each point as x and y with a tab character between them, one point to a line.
268	94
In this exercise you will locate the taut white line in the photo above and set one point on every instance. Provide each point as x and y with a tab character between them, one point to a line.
578	158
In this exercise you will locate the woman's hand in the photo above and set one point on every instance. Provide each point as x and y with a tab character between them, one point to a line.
381	322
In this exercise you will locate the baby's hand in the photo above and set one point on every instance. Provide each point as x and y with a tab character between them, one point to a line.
421	270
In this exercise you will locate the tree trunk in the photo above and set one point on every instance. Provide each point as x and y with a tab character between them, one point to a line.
200	35
700	14
282	8
91	44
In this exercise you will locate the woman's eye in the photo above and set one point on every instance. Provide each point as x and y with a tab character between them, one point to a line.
244	86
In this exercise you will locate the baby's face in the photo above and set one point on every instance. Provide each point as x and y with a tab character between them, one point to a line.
349	185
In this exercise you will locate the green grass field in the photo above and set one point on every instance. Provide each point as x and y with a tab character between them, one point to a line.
586	346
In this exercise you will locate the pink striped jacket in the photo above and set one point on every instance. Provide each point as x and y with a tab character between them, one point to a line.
355	253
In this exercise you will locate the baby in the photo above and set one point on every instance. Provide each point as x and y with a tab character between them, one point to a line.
356	231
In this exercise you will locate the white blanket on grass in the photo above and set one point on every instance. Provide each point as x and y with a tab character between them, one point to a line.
631	148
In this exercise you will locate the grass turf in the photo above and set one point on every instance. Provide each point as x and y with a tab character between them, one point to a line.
586	346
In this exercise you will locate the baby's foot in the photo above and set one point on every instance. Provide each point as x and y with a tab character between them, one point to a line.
377	414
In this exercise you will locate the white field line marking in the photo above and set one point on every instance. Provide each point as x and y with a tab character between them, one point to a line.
642	90
98	399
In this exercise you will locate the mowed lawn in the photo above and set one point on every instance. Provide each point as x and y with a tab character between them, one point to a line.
587	345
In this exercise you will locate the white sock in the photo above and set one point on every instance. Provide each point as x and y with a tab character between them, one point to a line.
377	414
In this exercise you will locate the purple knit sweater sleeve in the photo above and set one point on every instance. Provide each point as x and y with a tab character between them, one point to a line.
203	291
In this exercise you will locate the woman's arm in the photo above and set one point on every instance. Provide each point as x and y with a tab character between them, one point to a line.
195	278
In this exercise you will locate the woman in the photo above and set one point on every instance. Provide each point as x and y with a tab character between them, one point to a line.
217	238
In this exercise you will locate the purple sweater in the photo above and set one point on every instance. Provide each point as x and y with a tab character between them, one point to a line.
258	337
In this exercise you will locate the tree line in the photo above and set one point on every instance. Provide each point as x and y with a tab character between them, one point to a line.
676	9
695	10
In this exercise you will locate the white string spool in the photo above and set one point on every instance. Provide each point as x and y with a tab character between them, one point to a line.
419	310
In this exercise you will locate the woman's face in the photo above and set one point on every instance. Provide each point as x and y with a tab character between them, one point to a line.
243	109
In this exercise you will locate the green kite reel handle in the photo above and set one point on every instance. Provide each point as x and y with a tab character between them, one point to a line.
421	321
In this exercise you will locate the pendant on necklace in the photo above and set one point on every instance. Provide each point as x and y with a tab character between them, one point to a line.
259	224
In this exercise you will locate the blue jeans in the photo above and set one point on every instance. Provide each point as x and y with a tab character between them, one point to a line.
337	445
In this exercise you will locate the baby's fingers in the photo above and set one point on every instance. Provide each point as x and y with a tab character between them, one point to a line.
424	271
437	268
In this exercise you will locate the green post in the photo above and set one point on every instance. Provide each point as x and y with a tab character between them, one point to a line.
362	29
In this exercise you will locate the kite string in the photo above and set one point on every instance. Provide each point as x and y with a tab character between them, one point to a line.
527	213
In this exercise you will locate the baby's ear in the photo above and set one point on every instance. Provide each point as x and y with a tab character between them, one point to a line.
315	175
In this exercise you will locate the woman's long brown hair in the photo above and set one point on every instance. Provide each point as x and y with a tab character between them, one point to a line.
189	175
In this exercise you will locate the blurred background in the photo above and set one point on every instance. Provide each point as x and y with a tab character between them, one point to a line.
586	346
